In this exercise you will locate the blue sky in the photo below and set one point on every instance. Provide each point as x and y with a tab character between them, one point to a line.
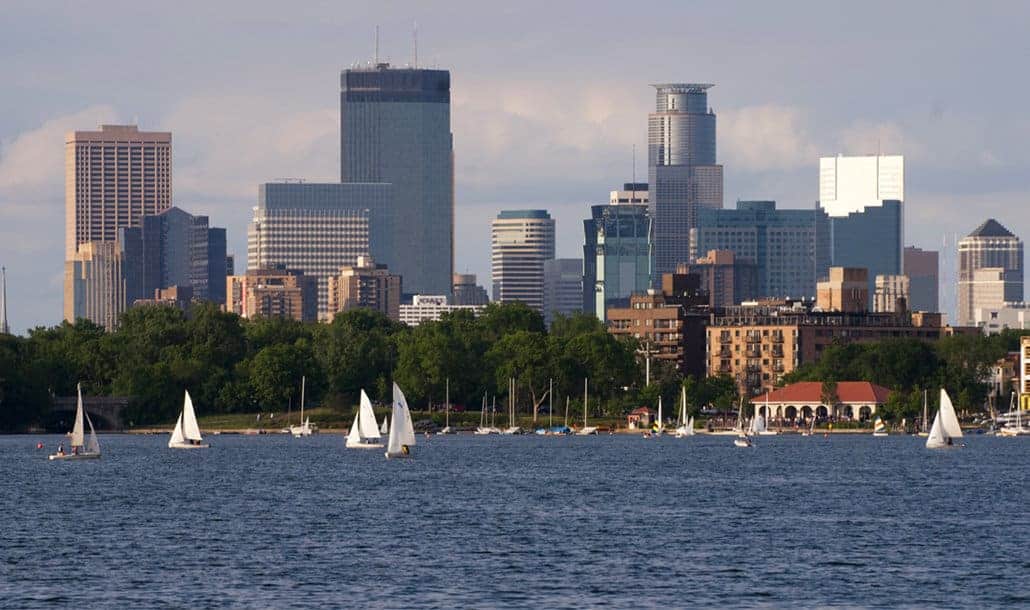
548	101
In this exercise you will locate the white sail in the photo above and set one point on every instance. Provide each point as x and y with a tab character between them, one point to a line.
190	429
683	406
402	434
78	433
949	421
177	437
936	439
93	446
690	427
367	419
878	425
354	437
385	428
661	422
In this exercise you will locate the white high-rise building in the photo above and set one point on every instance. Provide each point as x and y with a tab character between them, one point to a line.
521	240
850	184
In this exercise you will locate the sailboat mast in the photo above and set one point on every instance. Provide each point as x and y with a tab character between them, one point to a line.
303	384
550	403
493	413
925	429
447	404
585	396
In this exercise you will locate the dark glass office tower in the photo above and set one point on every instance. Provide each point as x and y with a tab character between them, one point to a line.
395	127
682	171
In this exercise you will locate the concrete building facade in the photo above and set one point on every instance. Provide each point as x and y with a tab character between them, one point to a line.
317	228
114	177
683	175
758	345
395	127
727	279
846	290
892	294
989	246
94	284
922	268
521	240
563	287
365	285
465	290
273	293
430	308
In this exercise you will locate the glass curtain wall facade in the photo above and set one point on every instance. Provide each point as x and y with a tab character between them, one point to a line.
395	127
789	248
683	176
872	239
618	258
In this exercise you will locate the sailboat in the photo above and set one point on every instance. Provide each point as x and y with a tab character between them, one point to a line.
945	425
187	433
926	419
1012	423
402	434
743	439
364	432
512	428
659	425
811	427
686	427
879	428
80	449
761	422
385	428
304	429
586	430
447	411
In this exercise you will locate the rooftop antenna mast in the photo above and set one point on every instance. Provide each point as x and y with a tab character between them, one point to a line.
634	173
377	46
414	45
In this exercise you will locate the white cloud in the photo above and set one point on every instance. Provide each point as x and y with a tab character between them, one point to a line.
32	163
763	138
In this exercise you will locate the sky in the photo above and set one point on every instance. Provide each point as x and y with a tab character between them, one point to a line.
549	100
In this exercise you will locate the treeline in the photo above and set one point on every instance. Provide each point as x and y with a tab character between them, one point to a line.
231	364
961	364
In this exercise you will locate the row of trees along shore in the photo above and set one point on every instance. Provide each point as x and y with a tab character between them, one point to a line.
234	365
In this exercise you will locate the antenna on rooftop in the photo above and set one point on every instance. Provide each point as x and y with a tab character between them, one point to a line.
414	45
634	171
376	56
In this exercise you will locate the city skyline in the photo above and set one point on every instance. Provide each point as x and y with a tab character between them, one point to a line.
532	129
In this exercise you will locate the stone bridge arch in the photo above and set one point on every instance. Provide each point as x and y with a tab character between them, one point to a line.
104	411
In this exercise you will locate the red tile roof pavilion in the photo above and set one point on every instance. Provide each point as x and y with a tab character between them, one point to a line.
811	392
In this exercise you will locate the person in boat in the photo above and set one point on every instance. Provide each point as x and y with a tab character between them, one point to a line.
405	450
60	449
75	450
950	442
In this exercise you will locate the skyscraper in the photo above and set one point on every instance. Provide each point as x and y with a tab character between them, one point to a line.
521	240
989	247
113	178
789	248
922	268
315	228
175	248
467	292
617	254
563	287
395	127
864	197
94	283
683	176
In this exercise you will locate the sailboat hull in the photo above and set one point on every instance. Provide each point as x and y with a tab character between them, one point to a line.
72	456
188	446
364	445
589	430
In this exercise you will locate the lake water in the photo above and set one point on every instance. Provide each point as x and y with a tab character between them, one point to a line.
550	522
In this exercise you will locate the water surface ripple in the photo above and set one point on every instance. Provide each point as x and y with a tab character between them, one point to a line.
276	522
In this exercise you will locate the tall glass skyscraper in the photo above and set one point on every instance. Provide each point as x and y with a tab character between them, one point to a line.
682	171
617	256
520	242
395	127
